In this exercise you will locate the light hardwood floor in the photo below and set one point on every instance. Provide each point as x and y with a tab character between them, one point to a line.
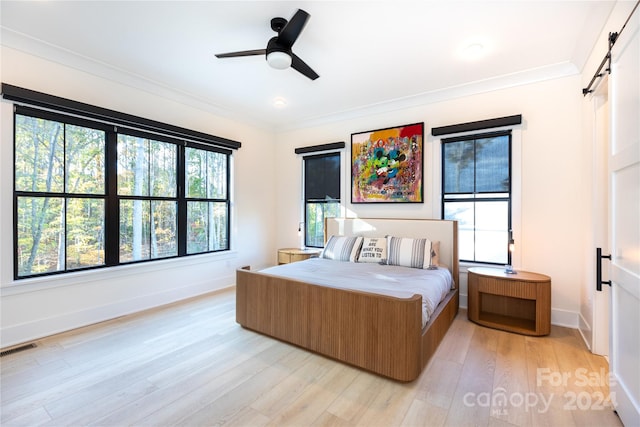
190	364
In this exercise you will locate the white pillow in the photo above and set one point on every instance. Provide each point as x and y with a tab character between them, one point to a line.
374	249
409	252
342	248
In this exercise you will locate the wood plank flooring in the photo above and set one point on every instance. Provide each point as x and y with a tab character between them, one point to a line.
190	364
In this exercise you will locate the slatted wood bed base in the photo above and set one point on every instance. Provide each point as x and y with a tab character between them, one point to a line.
377	333
381	334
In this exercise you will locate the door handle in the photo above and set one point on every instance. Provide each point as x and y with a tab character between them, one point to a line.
599	281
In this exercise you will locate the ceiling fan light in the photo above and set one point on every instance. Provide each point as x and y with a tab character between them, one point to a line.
279	60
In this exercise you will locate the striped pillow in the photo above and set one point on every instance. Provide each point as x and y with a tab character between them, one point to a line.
342	248
408	252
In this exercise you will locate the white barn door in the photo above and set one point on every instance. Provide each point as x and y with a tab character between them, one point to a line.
624	223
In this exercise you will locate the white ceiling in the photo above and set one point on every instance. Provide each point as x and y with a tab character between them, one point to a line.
371	56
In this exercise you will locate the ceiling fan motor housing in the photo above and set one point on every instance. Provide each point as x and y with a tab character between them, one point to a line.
277	24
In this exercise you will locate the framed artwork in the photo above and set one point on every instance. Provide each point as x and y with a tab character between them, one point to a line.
386	165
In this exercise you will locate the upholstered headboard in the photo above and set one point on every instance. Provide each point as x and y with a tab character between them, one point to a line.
444	231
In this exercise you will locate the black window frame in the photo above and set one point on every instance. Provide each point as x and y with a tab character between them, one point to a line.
186	199
111	197
307	200
480	196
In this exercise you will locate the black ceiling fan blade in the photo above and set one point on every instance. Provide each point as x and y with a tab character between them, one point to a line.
292	30
242	53
300	66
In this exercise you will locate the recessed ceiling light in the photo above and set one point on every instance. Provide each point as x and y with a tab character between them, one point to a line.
279	102
474	50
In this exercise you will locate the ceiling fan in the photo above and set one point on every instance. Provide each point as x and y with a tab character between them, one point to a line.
278	52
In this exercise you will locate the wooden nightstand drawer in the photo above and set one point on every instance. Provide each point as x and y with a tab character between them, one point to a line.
284	257
508	288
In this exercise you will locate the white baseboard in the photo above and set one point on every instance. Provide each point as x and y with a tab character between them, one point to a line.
40	328
462	299
568	319
584	329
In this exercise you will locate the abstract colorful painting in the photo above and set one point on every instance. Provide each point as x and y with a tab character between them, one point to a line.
386	165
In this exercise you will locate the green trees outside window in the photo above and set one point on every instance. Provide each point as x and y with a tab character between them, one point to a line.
207	211
60	203
316	212
88	195
321	195
147	172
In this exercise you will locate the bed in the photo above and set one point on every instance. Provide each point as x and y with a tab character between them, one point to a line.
382	333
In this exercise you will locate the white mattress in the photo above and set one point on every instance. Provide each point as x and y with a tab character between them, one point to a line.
390	280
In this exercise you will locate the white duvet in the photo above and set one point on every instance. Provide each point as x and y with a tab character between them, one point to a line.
390	280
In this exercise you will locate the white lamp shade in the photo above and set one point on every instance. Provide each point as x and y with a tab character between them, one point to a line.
279	60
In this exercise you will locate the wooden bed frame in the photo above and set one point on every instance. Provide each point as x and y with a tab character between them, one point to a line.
378	333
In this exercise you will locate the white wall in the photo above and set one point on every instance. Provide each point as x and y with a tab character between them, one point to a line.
38	307
548	223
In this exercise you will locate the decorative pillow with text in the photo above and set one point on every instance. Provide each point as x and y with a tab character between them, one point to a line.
374	249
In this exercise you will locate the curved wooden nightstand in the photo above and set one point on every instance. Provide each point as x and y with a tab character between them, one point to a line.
287	255
518	303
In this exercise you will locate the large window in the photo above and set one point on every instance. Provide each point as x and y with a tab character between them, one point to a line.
476	191
321	195
59	195
207	201
89	195
147	195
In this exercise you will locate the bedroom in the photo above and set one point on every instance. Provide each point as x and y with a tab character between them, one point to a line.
555	182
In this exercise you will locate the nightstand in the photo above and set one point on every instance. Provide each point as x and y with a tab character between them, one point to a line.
287	255
518	303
